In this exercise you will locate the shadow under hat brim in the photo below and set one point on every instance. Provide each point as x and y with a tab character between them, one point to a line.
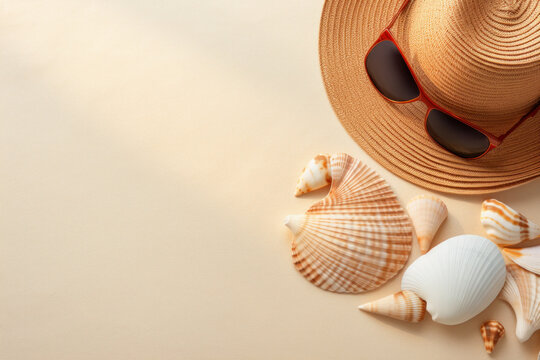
393	134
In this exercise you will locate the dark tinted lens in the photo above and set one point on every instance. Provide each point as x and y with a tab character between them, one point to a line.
456	136
389	73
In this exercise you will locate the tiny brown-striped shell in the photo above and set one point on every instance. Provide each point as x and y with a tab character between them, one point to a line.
505	226
491	332
427	214
522	292
357	237
404	305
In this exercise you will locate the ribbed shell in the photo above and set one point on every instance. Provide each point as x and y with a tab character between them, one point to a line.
404	305
458	278
491	332
427	214
528	258
522	292
357	237
505	226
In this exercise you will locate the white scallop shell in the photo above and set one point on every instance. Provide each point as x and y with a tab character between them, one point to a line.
404	305
357	237
458	278
427	214
522	292
505	226
528	258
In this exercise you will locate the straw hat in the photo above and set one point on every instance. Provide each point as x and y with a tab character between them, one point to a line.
479	59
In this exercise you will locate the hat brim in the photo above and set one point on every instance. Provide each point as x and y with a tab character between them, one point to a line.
393	134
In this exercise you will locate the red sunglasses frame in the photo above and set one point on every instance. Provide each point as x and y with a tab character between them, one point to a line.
494	141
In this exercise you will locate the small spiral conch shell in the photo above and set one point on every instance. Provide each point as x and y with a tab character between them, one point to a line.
315	175
358	236
427	214
528	258
404	305
522	291
491	332
505	226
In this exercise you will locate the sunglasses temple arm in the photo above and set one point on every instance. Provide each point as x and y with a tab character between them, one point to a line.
403	6
521	121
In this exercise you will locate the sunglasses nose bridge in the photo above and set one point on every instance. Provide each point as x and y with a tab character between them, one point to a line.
427	101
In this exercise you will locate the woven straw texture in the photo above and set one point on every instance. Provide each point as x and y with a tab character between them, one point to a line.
477	58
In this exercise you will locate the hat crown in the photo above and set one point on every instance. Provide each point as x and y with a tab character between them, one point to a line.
478	58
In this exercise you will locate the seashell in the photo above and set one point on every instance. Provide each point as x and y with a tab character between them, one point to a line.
522	292
505	226
491	332
427	214
528	258
404	305
315	175
458	278
357	237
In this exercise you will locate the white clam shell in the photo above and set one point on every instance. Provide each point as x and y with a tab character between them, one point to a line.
357	237
528	258
522	292
505	226
427	214
458	278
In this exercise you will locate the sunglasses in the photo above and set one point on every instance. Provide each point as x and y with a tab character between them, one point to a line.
392	76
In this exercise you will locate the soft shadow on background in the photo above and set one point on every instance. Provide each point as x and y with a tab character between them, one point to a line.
150	151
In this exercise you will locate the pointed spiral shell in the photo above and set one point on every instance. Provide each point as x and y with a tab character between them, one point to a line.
427	214
404	305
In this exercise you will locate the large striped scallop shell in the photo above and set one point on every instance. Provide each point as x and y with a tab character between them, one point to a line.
357	237
505	226
522	292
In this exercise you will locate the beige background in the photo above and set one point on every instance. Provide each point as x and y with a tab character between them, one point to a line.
149	151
